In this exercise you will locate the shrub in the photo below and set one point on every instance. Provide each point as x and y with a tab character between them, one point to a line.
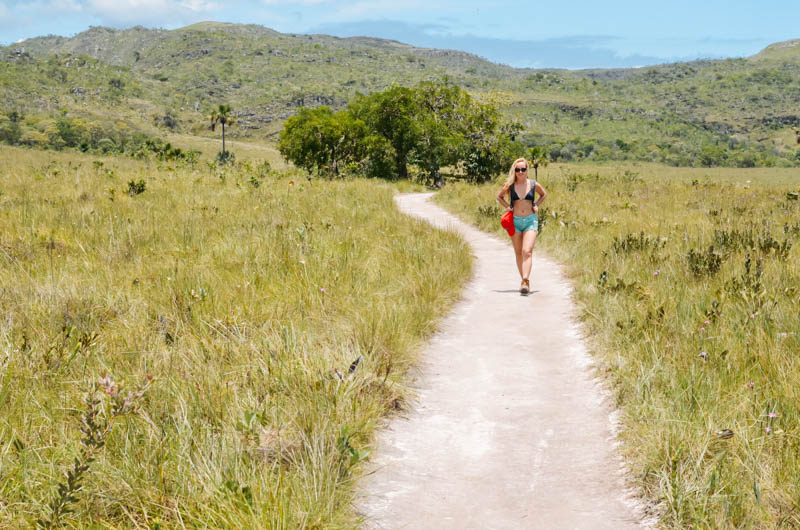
634	243
712	155
225	157
106	145
136	187
10	131
704	263
34	138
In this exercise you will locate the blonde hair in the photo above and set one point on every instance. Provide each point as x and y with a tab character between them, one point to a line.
511	175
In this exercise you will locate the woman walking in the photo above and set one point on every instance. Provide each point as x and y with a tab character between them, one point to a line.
522	201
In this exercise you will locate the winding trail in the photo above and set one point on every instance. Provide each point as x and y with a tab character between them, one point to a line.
510	429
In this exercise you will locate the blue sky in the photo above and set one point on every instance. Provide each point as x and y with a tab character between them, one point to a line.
566	34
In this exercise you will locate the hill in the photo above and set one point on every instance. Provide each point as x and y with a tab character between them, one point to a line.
780	51
720	112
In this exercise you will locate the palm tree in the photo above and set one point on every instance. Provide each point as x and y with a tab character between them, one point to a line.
223	115
537	156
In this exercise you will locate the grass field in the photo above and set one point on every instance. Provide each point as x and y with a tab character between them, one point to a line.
689	284
177	344
756	177
250	149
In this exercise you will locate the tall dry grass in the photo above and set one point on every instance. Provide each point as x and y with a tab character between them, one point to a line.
690	289
239	301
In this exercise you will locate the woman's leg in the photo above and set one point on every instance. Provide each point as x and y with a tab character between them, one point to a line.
528	240
516	239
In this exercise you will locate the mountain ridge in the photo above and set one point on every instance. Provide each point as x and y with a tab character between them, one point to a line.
235	28
667	112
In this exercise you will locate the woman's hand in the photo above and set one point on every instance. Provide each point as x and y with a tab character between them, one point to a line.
535	209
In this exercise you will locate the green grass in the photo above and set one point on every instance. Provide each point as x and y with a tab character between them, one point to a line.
243	300
759	177
692	341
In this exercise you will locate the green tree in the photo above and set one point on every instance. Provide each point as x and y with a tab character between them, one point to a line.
538	157
380	158
323	141
10	129
437	146
444	122
223	116
456	130
433	125
393	114
73	132
489	143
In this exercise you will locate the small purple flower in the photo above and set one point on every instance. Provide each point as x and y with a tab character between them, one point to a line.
322	289
772	415
751	384
707	322
656	272
752	315
109	386
768	429
702	329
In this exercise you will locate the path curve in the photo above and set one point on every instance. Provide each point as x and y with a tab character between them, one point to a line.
510	429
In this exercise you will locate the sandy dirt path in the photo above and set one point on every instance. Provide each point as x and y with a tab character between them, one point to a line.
510	429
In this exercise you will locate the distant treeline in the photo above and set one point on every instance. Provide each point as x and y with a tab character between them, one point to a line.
724	152
65	132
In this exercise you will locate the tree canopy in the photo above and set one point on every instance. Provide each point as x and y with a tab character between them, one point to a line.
432	125
323	141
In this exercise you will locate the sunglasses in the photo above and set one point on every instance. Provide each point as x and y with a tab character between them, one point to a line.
520	169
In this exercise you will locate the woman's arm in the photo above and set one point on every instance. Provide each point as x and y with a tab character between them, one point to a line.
542	194
501	198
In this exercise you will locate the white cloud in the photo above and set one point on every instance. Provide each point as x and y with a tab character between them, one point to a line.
155	12
7	20
283	2
63	5
119	7
52	6
380	9
200	5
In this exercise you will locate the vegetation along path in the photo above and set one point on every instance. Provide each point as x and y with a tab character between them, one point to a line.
510	430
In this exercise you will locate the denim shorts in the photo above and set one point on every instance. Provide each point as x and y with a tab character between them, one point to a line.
529	222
